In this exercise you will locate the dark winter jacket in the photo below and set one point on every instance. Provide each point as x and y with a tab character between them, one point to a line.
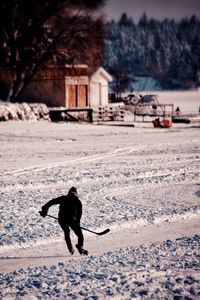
70	210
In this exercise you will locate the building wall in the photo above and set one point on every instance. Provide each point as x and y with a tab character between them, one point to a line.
98	91
48	91
49	86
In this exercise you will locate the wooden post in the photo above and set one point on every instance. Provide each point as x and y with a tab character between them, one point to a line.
90	116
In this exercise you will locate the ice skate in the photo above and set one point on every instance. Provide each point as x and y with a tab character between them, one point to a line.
71	251
81	250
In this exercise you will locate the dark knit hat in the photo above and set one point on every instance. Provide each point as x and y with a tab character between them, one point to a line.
72	190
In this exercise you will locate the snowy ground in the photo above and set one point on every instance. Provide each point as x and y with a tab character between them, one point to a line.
142	183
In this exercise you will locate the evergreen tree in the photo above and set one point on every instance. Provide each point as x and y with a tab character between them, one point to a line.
168	50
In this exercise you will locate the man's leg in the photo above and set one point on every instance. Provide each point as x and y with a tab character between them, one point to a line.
78	231
66	230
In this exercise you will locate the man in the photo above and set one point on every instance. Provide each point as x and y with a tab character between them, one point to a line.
70	212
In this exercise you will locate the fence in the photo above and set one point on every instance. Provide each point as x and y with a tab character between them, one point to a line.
108	113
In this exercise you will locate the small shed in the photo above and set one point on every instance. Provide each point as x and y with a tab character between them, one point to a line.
99	81
60	87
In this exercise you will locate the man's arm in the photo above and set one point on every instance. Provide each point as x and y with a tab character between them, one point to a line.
45	207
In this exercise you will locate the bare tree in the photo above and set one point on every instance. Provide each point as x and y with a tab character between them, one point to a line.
121	82
36	33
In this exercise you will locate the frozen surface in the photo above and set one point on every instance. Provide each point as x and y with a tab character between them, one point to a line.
157	271
127	178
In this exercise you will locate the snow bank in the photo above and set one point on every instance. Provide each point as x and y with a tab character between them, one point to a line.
23	111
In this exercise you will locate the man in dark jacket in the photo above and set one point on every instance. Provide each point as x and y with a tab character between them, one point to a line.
70	212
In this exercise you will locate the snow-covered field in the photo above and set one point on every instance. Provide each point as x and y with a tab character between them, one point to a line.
143	183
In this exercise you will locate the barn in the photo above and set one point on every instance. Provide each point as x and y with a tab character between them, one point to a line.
71	86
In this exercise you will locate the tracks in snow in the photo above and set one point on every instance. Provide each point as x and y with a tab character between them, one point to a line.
90	158
71	161
52	252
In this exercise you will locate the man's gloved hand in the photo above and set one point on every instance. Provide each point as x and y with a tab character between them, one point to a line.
43	213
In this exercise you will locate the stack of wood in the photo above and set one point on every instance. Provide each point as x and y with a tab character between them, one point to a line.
108	113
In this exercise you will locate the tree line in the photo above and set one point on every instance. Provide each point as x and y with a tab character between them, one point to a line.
167	50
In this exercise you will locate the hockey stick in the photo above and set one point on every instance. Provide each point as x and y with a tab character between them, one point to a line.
98	233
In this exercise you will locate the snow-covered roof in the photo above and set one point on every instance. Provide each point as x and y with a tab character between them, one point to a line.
102	72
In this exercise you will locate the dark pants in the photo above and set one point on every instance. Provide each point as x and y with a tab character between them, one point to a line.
77	230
